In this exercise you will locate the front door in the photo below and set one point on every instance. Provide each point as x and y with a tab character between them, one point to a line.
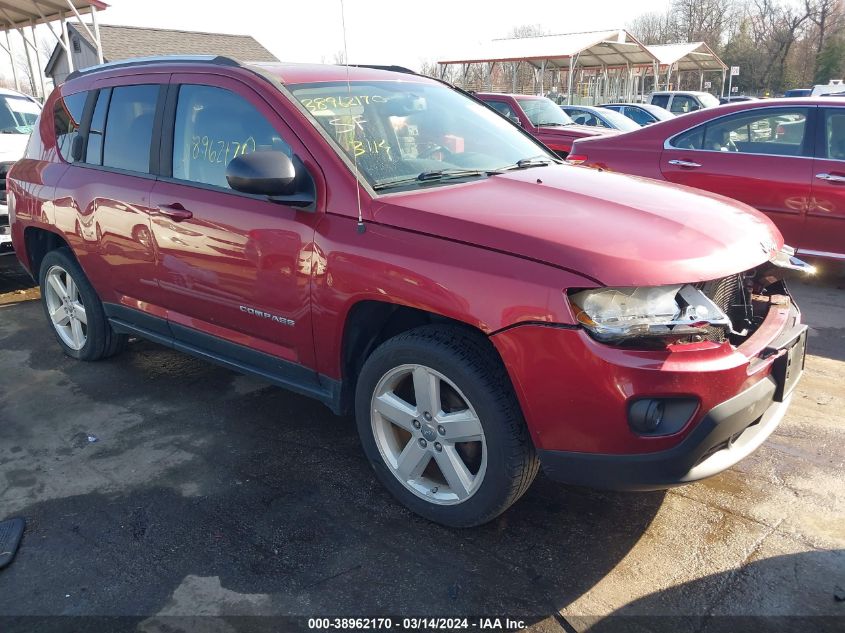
234	268
824	231
762	157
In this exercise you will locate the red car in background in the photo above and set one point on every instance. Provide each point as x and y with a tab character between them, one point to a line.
543	119
786	157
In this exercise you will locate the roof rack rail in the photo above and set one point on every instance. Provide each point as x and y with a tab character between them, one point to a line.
218	60
394	69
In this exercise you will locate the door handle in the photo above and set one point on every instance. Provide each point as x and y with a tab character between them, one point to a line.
684	163
830	177
175	212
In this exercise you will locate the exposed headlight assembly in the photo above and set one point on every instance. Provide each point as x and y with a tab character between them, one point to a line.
614	315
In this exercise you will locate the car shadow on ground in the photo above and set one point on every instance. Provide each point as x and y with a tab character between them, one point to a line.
802	602
209	493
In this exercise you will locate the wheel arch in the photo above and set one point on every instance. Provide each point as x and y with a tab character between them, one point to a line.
371	322
39	241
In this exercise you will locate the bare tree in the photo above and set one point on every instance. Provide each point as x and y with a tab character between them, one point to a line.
517	74
652	28
824	14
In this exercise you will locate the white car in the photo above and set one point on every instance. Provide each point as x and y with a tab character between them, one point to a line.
835	87
18	115
683	101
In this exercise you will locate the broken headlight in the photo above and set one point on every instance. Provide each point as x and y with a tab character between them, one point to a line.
614	315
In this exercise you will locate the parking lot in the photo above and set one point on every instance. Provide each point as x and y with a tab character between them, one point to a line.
157	485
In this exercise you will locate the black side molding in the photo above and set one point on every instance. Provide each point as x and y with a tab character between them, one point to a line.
275	370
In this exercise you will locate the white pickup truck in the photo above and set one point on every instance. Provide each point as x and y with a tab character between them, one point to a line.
18	114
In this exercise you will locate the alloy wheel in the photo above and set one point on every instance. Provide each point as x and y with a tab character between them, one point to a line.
65	308
428	434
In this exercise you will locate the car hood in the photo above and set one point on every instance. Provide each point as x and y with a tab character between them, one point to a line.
618	230
12	146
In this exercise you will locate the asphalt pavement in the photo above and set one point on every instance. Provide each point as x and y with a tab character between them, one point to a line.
180	494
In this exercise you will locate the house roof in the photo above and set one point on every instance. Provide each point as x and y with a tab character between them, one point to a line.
125	42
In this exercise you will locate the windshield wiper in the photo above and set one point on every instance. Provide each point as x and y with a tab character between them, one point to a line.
552	124
527	163
440	174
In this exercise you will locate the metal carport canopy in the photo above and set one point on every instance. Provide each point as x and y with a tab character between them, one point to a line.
593	49
688	56
16	15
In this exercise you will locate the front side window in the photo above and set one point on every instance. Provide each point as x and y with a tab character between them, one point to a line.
773	131
129	127
639	116
544	112
617	121
582	117
213	126
67	117
834	134
504	109
411	133
682	104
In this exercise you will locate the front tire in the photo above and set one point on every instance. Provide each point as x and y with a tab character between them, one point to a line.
74	310
441	426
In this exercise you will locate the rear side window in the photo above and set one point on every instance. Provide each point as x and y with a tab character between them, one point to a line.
129	127
660	100
97	129
213	126
834	134
772	131
67	117
691	139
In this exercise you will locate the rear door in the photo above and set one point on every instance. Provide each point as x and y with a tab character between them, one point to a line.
103	197
760	156
824	231
234	268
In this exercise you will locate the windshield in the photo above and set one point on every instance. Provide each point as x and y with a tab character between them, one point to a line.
618	121
708	100
398	131
17	115
544	111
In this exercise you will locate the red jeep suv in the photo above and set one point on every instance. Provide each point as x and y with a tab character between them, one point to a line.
390	246
543	119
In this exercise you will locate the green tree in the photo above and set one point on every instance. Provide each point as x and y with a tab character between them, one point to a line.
829	63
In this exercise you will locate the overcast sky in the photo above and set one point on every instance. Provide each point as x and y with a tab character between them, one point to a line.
378	31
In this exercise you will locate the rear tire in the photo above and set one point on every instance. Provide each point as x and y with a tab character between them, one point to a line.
441	426
74	311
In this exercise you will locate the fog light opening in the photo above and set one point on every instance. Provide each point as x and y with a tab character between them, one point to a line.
660	416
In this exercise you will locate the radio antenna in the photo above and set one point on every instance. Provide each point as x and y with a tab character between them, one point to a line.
361	226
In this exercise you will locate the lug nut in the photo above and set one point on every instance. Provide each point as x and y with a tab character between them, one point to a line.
416	424
427	416
423	443
438	447
441	430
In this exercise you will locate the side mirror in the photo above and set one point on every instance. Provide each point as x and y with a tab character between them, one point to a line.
264	173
